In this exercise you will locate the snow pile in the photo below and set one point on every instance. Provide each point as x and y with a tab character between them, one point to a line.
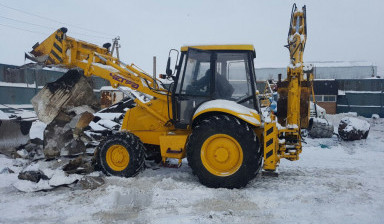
352	128
355	123
375	116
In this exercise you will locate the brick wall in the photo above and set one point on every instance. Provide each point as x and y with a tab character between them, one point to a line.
330	107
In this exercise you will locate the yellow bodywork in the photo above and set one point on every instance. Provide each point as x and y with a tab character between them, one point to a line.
173	146
252	118
236	47
271	158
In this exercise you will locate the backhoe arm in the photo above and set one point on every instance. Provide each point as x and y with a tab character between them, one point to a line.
297	37
64	51
293	103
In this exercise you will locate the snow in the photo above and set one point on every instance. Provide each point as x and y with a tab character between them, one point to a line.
244	112
319	110
107	67
294	66
333	182
37	130
108	124
23	85
3	116
108	116
96	127
82	109
344	105
16	106
373	92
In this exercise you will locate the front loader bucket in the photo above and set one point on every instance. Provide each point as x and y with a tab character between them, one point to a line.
60	49
51	50
13	133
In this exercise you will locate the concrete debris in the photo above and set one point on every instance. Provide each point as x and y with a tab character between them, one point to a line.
64	135
6	170
23	153
60	178
351	128
90	182
29	186
79	166
73	164
33	176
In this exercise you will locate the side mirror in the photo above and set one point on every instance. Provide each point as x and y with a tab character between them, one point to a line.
168	70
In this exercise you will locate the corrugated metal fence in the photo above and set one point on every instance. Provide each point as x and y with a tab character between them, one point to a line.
19	85
364	96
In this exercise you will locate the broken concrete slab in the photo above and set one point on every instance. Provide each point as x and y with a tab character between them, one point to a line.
71	90
32	175
64	135
351	128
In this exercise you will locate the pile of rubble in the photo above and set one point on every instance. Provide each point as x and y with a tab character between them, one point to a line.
63	156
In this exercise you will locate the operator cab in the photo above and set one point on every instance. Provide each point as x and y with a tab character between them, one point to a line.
212	72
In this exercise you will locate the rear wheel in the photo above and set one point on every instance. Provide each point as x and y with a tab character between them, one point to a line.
121	154
224	152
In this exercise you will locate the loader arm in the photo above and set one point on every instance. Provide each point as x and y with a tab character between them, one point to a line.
64	51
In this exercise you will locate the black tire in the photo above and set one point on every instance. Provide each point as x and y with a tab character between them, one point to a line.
237	130
131	144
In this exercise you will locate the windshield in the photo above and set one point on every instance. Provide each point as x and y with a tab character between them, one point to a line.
218	75
234	82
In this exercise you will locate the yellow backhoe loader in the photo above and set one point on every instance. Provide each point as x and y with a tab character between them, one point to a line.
210	114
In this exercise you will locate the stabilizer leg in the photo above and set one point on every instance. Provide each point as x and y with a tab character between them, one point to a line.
271	159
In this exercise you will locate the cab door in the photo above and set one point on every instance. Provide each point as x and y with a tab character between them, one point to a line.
194	85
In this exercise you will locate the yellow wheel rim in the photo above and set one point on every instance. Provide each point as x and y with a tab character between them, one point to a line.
117	157
221	155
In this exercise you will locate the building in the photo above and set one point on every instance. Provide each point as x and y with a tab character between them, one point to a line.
326	92
324	70
341	87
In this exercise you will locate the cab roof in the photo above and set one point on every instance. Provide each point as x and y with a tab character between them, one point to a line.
234	47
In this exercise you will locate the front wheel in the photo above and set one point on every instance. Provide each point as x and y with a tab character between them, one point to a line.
121	154
224	152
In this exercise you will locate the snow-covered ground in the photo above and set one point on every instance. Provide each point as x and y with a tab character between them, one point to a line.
333	182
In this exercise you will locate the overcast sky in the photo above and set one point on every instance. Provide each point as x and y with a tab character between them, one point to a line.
338	30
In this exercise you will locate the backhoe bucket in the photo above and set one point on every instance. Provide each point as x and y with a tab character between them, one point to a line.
13	133
71	90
